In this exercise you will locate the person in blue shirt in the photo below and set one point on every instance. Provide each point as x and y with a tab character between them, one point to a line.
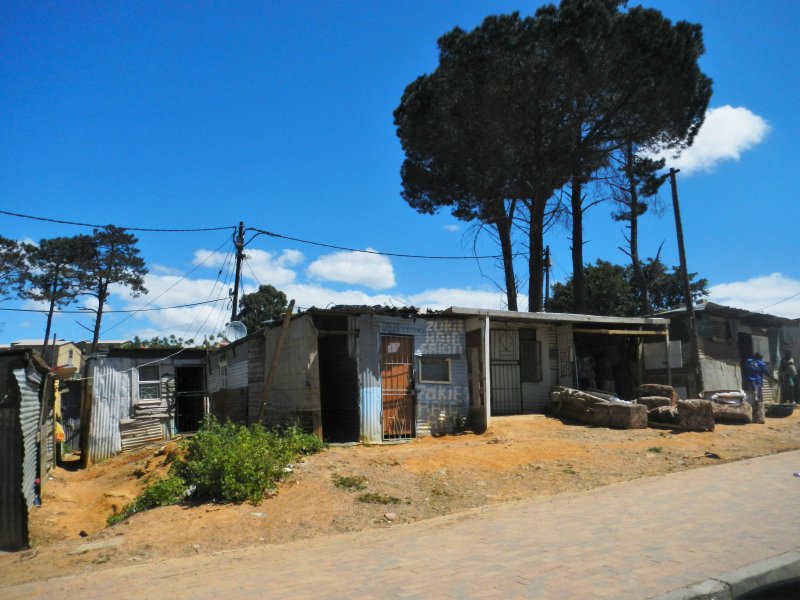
755	369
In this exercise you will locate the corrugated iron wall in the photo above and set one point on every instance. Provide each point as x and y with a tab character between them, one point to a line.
110	391
369	382
29	381
19	423
443	337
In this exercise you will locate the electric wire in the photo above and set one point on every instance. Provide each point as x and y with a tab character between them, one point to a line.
106	330
79	224
228	257
86	311
376	252
779	302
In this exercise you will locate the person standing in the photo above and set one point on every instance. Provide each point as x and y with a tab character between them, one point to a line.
790	386
755	369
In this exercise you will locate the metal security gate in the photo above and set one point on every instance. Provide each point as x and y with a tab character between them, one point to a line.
397	386
505	373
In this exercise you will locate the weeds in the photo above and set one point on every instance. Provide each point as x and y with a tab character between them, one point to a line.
656	450
376	498
352	483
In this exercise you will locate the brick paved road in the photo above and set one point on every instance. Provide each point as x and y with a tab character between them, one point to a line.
635	539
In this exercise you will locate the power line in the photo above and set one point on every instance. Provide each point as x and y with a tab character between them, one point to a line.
779	302
79	224
85	311
396	254
200	264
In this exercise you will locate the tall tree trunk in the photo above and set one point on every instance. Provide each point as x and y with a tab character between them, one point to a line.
536	258
578	294
101	299
504	233
53	293
638	274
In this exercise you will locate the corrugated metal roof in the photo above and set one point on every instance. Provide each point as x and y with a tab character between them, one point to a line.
504	315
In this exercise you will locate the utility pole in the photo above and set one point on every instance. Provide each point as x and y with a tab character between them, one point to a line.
547	265
687	292
239	243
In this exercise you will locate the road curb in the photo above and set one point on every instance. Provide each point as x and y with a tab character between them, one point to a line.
734	584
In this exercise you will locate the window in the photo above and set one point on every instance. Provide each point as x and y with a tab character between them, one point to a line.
530	362
434	369
149	383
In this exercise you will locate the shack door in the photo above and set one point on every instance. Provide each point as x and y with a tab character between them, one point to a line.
189	398
397	386
505	378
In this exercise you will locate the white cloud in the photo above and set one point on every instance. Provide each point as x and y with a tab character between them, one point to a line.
441	298
452	228
308	295
209	258
259	265
768	292
356	268
726	133
268	269
170	290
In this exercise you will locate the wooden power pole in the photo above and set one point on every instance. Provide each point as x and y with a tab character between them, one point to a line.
239	243
687	292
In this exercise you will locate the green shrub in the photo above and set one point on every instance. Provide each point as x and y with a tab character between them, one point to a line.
226	463
232	463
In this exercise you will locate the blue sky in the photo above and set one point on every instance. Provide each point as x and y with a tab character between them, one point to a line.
279	114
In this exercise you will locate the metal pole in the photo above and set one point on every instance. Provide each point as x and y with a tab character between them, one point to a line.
239	243
687	293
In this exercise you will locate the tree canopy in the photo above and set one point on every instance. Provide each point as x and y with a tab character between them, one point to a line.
520	106
11	268
113	260
54	272
258	307
611	289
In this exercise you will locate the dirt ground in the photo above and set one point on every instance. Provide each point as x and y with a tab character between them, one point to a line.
517	458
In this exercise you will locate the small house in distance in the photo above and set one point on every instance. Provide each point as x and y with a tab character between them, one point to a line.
381	374
132	397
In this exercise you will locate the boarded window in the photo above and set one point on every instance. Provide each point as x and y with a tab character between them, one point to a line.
530	357
434	369
149	383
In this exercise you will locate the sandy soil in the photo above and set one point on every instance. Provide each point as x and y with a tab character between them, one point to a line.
517	458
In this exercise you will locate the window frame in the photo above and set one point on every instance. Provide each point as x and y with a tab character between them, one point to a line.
436	357
148	382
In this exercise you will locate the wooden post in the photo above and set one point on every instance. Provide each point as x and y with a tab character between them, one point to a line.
687	293
275	358
239	243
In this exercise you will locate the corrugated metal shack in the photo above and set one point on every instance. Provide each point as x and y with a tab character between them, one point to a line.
390	374
726	337
26	433
515	358
136	396
237	374
379	374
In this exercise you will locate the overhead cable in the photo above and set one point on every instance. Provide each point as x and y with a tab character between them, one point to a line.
397	254
79	224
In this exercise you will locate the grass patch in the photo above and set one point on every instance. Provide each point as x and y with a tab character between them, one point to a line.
352	483
225	463
656	450
376	498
